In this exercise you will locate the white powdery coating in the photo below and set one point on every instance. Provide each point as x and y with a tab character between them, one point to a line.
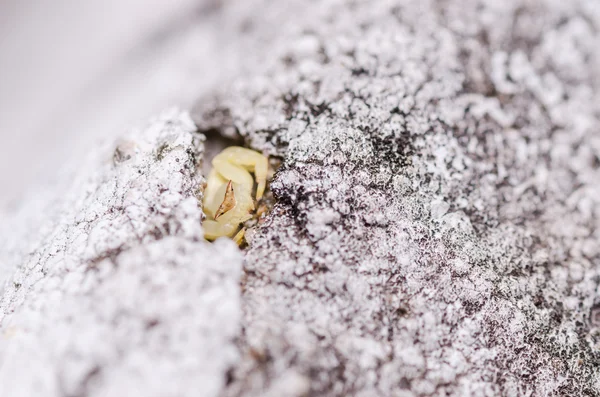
121	295
436	229
437	222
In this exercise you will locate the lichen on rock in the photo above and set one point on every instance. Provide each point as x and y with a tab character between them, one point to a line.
437	206
122	288
435	228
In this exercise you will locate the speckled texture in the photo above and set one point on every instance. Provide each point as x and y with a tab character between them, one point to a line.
436	230
121	296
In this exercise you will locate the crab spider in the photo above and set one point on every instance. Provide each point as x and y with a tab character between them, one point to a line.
228	198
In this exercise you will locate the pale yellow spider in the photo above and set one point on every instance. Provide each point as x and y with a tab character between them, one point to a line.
228	198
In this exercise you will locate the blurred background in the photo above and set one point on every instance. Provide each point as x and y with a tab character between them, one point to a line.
77	73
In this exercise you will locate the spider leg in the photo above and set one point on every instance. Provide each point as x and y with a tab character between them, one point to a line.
250	161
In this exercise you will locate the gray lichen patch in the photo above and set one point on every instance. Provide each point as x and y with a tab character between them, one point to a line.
437	210
123	296
435	230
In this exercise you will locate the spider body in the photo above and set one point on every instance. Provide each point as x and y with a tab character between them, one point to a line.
228	200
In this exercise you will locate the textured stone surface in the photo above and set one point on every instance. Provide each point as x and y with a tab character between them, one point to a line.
435	231
437	216
120	295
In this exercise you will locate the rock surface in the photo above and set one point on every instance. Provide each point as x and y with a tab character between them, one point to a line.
120	295
436	228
